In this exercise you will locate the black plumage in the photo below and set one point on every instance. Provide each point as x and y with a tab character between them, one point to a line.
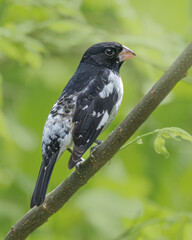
87	105
85	129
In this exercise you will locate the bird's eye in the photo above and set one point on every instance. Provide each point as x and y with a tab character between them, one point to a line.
109	52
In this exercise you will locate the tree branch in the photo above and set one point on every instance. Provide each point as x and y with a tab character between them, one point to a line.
58	197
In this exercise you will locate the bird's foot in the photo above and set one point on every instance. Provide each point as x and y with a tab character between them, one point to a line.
98	142
78	165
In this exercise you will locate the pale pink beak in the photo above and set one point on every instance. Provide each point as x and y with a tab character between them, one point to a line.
126	54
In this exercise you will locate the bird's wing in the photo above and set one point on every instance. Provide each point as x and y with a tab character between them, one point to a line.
93	109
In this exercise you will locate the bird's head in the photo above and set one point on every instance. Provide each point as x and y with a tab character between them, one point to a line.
108	54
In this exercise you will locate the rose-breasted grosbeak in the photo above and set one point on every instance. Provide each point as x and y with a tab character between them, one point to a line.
87	105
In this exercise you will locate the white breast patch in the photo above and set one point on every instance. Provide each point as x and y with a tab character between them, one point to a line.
115	81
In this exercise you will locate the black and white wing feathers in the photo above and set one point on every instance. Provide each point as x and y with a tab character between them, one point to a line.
94	106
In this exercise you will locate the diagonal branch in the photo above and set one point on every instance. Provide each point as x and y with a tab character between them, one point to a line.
58	197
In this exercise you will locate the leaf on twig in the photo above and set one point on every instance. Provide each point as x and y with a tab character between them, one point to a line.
159	145
172	132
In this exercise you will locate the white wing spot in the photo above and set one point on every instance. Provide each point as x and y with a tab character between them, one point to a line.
85	107
94	113
99	114
103	120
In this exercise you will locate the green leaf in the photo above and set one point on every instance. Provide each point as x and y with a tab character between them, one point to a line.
159	143
159	146
172	132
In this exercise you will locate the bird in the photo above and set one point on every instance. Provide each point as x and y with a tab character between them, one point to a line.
86	107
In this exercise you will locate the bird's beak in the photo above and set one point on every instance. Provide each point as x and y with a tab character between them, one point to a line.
126	54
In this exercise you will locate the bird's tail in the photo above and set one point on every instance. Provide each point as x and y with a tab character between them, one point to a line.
43	181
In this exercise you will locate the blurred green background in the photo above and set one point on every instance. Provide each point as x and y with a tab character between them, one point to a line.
139	194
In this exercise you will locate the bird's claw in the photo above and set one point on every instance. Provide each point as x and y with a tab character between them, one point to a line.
78	165
98	142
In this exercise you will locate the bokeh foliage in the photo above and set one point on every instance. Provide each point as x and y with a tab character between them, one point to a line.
140	194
